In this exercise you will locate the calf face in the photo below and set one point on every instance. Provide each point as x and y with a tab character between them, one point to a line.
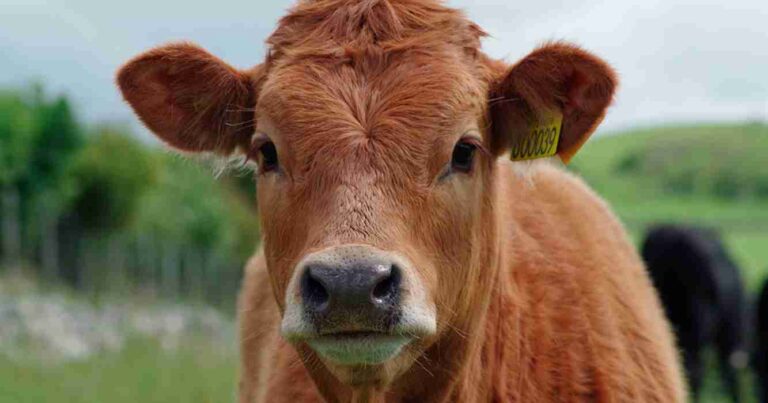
375	129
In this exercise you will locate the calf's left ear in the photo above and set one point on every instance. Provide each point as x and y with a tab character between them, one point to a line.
190	99
557	90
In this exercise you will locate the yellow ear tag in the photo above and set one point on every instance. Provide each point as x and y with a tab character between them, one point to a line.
541	141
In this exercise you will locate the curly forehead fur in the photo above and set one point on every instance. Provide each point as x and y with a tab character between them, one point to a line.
390	72
344	30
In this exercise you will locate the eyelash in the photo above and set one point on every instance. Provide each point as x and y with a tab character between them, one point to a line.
463	156
470	145
269	157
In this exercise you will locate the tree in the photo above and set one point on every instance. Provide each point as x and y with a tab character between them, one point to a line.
44	189
16	146
111	174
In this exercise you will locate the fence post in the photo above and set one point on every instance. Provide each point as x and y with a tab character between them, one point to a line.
49	246
170	269
11	227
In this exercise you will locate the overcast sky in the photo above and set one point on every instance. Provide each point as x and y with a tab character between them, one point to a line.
678	61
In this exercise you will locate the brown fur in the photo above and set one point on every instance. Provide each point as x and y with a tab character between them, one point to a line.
567	321
539	295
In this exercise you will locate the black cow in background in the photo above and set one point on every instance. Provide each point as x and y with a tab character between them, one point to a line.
703	296
760	358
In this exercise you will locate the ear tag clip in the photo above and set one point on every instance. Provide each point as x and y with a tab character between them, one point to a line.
541	141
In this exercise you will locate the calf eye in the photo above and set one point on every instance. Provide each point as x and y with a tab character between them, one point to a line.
463	156
269	160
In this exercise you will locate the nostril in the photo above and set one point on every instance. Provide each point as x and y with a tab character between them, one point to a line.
314	293
388	288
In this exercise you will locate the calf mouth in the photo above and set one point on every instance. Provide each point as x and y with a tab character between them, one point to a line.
358	348
360	355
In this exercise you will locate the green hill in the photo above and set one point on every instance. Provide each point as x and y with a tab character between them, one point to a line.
712	175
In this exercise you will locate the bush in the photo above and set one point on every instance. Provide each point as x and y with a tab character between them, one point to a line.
111	173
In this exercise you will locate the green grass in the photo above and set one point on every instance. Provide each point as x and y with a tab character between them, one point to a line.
713	390
750	250
142	372
709	149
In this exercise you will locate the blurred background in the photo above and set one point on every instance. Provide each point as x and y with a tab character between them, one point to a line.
120	261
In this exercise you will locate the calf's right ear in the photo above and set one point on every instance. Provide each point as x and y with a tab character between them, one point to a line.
190	99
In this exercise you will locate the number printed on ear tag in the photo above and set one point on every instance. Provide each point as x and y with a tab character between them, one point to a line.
541	141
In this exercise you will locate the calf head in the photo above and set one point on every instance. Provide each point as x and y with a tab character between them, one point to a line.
375	127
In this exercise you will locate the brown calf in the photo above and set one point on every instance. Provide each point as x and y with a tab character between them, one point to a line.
404	257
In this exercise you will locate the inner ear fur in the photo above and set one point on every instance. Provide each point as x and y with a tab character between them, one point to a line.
191	99
557	77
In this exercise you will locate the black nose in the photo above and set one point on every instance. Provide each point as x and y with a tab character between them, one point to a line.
369	291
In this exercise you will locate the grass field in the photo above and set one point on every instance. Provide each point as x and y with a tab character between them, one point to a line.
643	196
144	372
141	372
